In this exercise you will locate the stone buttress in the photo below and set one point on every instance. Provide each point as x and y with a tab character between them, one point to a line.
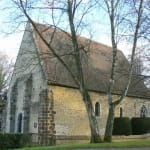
46	125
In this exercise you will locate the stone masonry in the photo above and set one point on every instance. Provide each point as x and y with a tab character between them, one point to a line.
13	107
46	127
26	105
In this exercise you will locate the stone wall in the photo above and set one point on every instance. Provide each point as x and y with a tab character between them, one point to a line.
3	100
131	107
27	82
46	126
71	121
12	113
131	137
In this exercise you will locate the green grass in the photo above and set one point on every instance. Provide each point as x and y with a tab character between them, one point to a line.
137	143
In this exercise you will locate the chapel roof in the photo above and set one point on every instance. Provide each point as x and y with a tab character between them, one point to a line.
96	60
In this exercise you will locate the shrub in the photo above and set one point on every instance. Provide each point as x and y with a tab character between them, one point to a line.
14	140
140	125
122	126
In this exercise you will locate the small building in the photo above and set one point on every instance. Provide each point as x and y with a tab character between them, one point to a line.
43	99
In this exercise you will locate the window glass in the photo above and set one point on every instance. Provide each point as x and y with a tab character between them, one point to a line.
97	109
121	112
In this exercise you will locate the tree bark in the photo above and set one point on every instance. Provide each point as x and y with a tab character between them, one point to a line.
95	136
109	124
112	105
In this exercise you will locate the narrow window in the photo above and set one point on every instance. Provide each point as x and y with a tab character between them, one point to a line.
20	123
121	112
143	113
97	109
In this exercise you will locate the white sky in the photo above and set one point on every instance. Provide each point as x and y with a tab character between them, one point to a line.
10	45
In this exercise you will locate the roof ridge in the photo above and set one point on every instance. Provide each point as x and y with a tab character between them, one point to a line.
78	36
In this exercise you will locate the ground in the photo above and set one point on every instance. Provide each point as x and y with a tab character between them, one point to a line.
141	148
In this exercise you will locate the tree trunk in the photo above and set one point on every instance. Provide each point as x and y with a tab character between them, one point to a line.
110	122
95	136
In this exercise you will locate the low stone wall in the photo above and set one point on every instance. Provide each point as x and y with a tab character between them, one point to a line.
61	139
131	137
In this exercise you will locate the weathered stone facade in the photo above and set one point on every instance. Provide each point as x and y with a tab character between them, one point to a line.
71	121
2	115
27	82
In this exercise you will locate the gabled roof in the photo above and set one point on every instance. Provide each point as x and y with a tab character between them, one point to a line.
96	60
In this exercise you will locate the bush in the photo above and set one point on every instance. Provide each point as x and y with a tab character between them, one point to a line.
122	126
140	125
14	140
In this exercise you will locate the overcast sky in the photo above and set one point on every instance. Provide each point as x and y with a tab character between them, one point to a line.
10	45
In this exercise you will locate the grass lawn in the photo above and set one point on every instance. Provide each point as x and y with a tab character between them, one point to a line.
137	143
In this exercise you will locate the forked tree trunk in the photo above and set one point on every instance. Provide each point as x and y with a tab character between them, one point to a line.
95	136
112	9
109	124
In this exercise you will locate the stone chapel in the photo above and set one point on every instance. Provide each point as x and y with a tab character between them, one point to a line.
44	101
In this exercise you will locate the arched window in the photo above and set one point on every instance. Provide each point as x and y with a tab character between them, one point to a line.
97	109
121	112
143	111
20	123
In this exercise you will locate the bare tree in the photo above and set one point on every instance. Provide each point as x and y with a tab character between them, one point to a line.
6	69
117	17
141	64
70	8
